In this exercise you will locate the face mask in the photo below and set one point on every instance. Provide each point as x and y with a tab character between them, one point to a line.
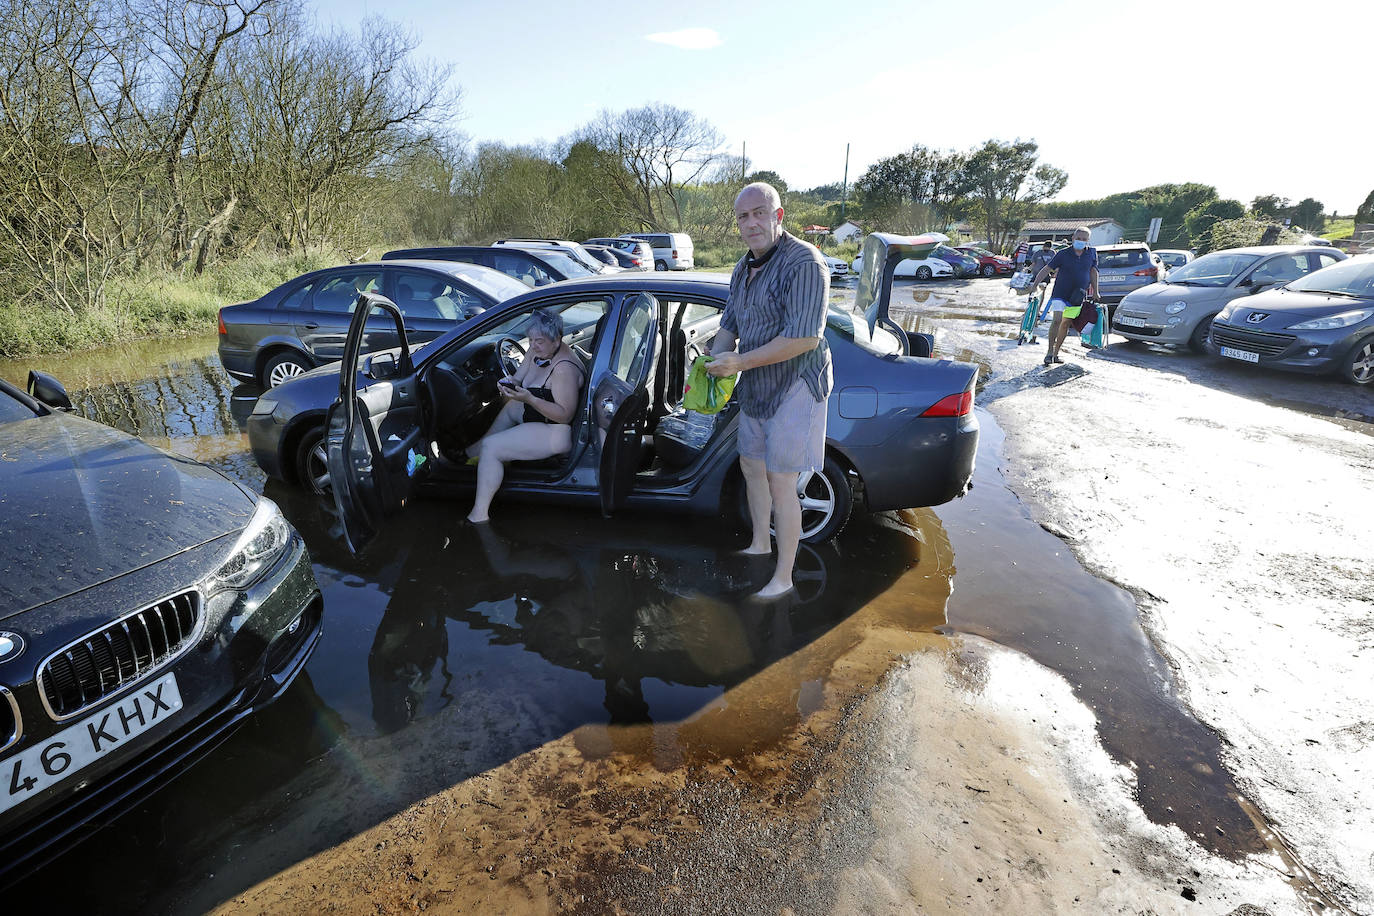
1079	244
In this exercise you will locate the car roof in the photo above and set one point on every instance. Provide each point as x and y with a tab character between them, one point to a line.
1122	246
1266	249
454	268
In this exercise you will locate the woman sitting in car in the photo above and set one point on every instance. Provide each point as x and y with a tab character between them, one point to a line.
535	423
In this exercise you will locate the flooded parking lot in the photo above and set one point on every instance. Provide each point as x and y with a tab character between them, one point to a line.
607	679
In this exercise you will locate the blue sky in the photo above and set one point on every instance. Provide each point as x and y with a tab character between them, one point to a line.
1255	98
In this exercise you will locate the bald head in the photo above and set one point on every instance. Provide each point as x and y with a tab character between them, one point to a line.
758	214
770	194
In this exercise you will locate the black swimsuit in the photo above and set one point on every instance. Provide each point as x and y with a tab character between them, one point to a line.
544	394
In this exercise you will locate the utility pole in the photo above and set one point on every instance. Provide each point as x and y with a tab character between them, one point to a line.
844	186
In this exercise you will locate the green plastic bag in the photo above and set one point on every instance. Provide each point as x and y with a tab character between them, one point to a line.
706	393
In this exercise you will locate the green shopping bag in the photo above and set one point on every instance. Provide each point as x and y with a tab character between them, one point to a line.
706	393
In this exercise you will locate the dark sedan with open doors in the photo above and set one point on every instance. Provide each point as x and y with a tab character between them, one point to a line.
901	429
302	323
1319	323
148	605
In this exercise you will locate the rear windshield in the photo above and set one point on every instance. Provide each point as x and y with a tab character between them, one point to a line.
1351	278
1129	257
1216	269
565	264
882	342
494	283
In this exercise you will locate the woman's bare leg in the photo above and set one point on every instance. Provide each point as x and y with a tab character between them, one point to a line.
523	442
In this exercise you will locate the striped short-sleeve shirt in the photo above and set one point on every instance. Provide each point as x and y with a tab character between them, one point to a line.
786	298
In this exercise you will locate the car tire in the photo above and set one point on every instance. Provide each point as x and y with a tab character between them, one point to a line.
827	502
1358	365
1201	340
312	462
283	367
989	271
660	265
923	273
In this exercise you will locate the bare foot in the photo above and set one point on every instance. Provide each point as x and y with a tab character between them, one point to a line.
772	590
751	551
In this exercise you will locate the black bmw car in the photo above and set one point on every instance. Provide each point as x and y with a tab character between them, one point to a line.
148	605
901	428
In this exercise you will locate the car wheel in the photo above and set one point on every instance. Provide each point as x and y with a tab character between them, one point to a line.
1201	341
283	368
660	265
989	270
312	461
923	273
1359	365
827	501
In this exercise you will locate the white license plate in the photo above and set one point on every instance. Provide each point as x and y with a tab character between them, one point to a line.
64	754
1245	355
1128	322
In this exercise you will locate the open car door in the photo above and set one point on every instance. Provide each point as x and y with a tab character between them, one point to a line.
373	436
620	398
881	254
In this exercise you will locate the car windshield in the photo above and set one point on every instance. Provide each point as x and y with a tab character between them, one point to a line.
882	342
1354	277
1171	259
1216	269
495	284
1121	257
981	252
11	408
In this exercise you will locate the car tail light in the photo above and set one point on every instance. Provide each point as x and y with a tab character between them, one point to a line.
223	331
954	405
1148	272
674	253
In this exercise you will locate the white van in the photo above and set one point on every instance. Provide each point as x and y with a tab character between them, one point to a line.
672	250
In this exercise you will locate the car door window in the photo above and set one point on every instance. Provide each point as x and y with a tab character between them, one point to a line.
632	346
1326	260
339	292
296	299
1281	269
426	295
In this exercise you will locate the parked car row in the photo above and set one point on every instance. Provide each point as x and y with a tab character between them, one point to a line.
1300	308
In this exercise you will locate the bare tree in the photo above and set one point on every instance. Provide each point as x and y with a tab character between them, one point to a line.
648	155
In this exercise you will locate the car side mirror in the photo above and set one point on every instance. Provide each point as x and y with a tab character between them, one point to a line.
379	366
1258	287
46	389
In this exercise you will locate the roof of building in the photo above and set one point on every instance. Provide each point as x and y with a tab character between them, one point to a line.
1063	225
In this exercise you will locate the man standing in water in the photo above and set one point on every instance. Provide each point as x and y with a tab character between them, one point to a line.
776	315
1076	279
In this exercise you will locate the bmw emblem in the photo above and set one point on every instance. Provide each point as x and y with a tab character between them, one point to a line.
11	646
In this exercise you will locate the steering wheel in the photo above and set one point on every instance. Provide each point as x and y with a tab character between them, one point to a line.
510	353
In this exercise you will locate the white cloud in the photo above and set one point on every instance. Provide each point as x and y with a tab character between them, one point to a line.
688	39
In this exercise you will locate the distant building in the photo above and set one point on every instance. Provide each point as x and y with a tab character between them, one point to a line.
1101	231
848	231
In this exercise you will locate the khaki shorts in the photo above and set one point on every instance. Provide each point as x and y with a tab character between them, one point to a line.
790	441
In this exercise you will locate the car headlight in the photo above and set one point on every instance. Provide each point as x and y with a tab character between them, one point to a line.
1225	313
257	549
264	405
1173	308
1331	322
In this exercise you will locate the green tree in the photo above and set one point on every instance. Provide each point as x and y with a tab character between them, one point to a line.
1365	213
768	176
1309	214
1269	205
914	191
1007	185
1200	220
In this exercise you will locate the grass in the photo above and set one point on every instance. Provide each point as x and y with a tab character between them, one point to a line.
1339	229
150	304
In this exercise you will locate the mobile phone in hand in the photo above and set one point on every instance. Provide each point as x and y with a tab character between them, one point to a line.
507	383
